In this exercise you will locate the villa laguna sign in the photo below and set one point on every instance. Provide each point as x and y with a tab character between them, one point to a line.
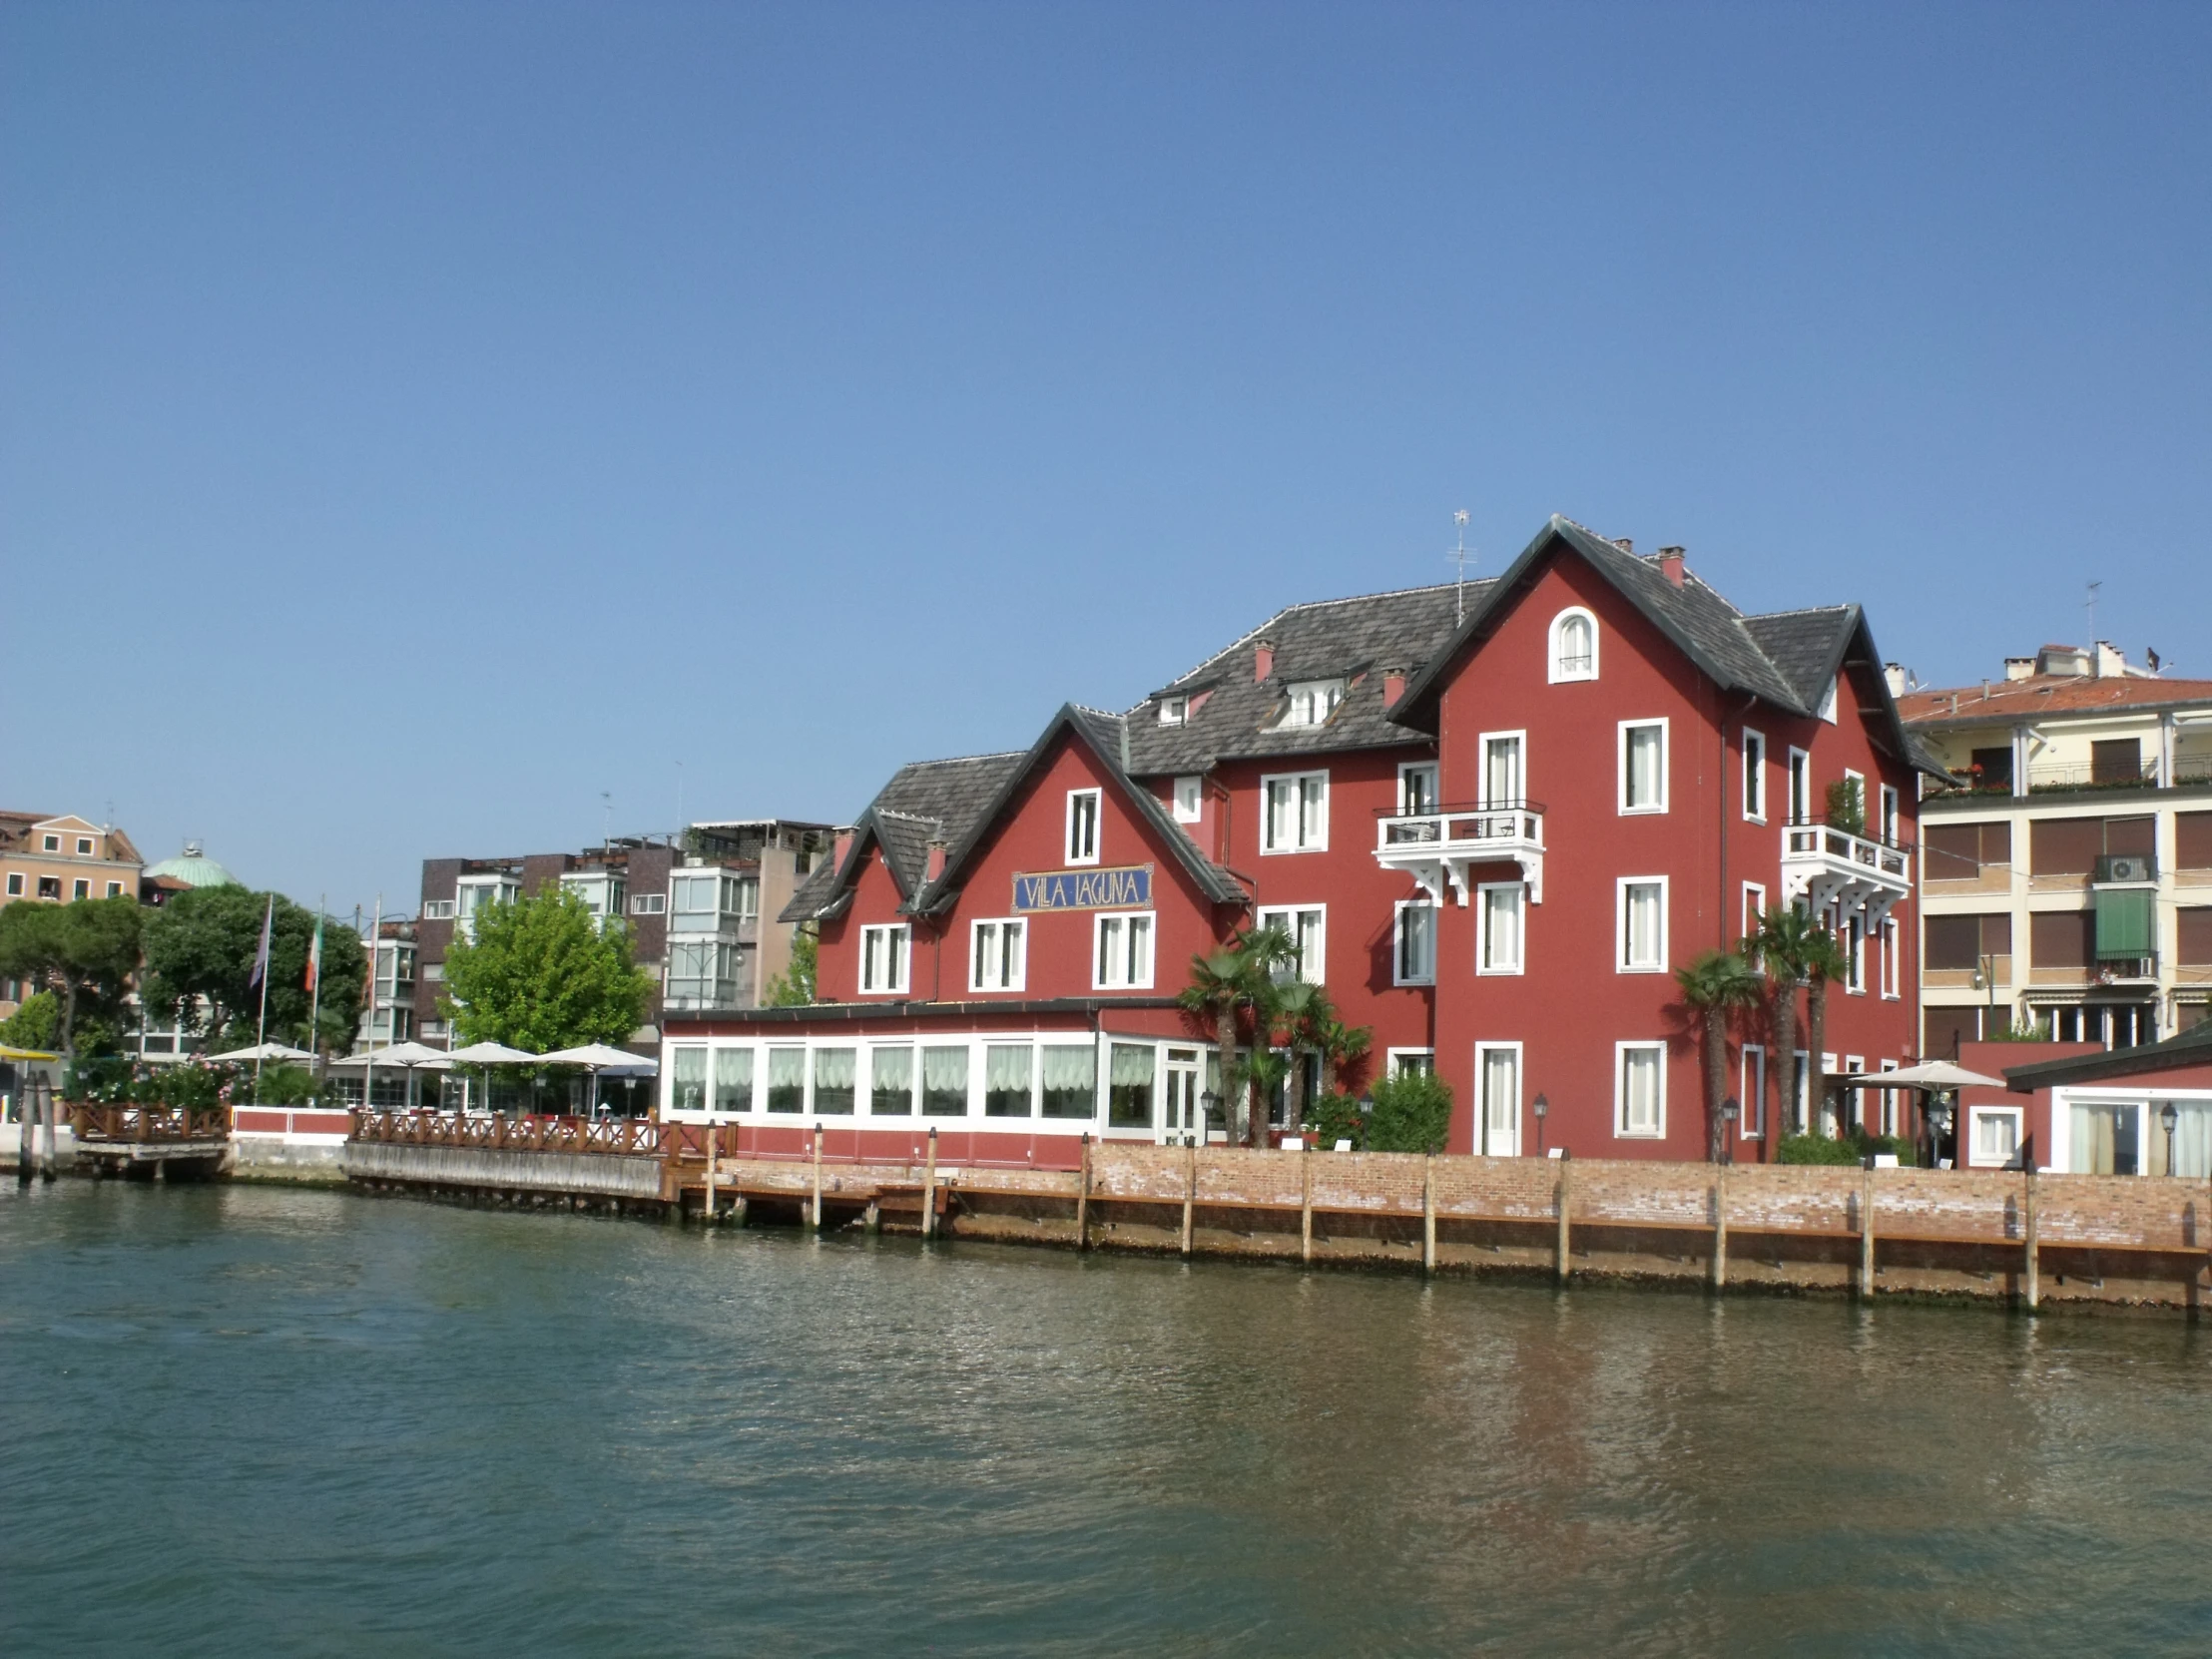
1127	888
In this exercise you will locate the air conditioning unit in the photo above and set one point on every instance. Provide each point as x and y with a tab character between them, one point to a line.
2126	868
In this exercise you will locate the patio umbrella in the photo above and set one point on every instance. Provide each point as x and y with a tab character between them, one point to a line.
494	1054
264	1052
597	1058
1929	1074
407	1056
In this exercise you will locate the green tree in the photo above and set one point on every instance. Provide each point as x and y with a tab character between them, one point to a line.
1714	985
1824	964
540	974
1413	1113
1227	990
1779	946
795	986
84	951
35	1024
1305	1022
200	950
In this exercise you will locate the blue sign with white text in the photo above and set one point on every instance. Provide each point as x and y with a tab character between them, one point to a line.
1126	889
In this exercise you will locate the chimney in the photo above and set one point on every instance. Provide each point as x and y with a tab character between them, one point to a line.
2111	661
1895	675
1263	660
1393	687
1627	544
839	849
1671	565
2019	668
935	869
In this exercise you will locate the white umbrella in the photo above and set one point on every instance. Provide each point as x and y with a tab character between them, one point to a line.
264	1052
600	1057
1929	1074
494	1054
398	1054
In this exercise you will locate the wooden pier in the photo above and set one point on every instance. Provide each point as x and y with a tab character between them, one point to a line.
138	1141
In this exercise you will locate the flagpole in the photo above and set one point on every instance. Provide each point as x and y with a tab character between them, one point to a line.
314	987
376	944
260	968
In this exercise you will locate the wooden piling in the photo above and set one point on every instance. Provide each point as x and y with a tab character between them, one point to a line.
736	1211
1083	1200
1566	1182
2034	1268
872	1219
1305	1202
713	1138
1428	1214
815	1217
1720	1229
1190	1197
929	1189
1866	1236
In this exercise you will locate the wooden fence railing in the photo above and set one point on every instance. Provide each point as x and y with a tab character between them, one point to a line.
146	1125
616	1137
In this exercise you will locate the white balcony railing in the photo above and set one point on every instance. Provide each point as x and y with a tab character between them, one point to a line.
1436	847
1824	866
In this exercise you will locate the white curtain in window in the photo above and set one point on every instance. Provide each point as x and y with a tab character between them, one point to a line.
1643	924
1070	1081
891	1081
1643	766
1312	810
1501	920
733	1079
2192	1138
2104	1139
689	1079
1280	799
1640	1091
1501	771
1501	1101
787	1079
835	1072
944	1082
1006	1080
1417	942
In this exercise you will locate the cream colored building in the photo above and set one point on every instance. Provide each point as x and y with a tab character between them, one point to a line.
2067	877
60	859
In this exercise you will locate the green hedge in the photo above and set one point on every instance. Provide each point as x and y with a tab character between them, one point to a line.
1853	1149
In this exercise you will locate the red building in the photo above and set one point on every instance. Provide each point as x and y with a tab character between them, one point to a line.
1492	819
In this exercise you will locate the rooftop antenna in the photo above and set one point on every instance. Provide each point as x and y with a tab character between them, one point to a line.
1459	556
606	818
2090	604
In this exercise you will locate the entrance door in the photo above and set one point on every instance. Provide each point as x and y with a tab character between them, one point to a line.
1501	771
1184	1120
1500	1069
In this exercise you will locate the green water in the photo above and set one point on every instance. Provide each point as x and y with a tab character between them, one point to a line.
244	1419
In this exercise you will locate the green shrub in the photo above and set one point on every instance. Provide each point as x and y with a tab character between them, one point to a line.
1333	1118
1852	1149
1413	1113
35	1024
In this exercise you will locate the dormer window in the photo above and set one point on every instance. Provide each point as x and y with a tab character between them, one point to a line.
1313	701
1174	710
1573	646
1827	704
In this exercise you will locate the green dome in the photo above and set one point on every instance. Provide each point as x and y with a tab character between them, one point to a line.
193	868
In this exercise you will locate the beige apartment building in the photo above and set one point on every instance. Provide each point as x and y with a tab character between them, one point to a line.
2066	872
59	860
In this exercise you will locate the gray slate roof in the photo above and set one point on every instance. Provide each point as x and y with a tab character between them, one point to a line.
926	801
1365	636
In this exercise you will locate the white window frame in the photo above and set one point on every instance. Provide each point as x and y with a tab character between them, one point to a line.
1396	1061
1099	982
1620	923
649	903
1482	1144
898	968
115	889
1892	809
1975	1117
84	846
1306	697
1397	942
1482	952
1409	768
1889	1104
1287	916
1855	955
1175	711
1755	776
1622	765
1555	658
1482	763
1295	782
1074	853
1893	969
1189	798
52	844
81	887
1621	1131
1852	1115
1754	907
1751	1092
1800	772
1019	979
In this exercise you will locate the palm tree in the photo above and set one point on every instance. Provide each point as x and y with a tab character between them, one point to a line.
1714	985
1225	985
1821	962
1779	945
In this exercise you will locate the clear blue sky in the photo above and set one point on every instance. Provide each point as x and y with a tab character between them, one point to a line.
419	420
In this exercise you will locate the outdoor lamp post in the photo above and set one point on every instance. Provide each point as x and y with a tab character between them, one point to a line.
2169	1115
1543	1108
1986	980
1207	1101
1730	1111
1939	1120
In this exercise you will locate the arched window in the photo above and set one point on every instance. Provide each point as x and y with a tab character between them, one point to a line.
1573	646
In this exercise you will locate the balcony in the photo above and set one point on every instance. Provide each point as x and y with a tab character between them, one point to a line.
1823	864
1433	848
